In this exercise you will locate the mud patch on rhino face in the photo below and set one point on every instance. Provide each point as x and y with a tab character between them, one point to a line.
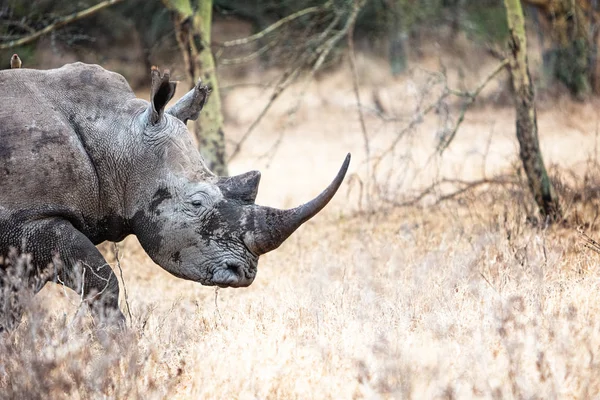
160	195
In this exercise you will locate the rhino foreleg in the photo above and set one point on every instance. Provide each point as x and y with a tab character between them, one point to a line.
86	271
97	285
76	263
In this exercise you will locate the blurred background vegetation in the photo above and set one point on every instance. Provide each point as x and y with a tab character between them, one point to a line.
135	34
142	32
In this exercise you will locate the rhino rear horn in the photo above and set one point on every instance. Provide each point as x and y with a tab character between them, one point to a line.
161	91
272	227
190	105
242	187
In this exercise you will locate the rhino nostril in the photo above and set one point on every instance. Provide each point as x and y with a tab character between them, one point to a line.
236	268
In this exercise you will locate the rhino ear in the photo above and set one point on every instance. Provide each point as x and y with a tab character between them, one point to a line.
190	105
161	91
242	187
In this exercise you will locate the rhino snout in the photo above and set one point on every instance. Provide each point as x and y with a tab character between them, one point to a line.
232	274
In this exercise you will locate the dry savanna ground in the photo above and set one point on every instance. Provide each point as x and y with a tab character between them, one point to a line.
460	298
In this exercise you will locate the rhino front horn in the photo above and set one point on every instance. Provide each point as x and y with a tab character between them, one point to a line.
273	226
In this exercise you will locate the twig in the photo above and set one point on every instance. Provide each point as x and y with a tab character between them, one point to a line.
270	154
416	119
249	57
19	24
241	85
217	311
292	112
58	24
588	241
276	25
467	185
283	83
430	189
472	185
495	51
489	283
471	97
116	248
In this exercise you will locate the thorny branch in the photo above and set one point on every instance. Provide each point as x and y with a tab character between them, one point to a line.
59	24
415	120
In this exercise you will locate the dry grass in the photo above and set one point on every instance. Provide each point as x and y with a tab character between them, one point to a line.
464	299
411	304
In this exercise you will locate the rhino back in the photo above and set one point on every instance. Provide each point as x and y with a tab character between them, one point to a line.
56	130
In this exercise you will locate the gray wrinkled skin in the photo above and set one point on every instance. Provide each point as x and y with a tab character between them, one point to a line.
82	161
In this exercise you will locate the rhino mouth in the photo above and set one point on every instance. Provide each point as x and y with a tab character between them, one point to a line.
231	274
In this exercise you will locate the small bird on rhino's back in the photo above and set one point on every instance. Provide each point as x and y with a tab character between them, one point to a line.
15	61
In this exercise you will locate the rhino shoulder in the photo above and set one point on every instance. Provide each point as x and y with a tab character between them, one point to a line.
84	75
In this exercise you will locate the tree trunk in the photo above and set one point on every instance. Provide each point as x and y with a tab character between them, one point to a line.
192	29
527	131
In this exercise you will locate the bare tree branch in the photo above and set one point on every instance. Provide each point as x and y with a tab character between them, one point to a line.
276	25
417	118
249	57
465	186
58	24
471	97
283	83
325	47
316	58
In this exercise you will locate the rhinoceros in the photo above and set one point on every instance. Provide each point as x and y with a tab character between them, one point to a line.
83	161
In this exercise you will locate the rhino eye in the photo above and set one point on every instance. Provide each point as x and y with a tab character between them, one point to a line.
197	203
